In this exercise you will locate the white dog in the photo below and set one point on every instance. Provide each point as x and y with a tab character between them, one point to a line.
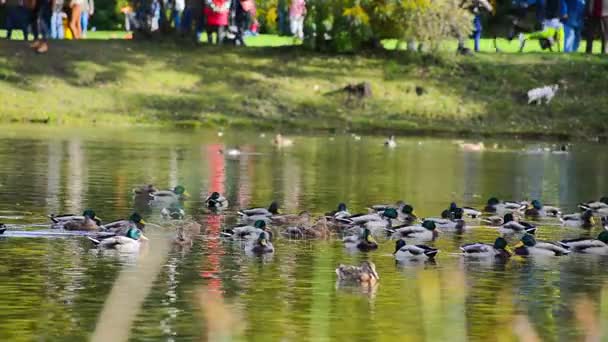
538	94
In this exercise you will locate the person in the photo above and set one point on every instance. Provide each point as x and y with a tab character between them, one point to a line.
29	17
216	14
75	26
297	13
476	7
15	17
597	20
573	24
154	15
57	20
177	12
551	34
242	9
87	10
42	13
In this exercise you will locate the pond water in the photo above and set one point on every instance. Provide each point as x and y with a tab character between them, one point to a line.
56	288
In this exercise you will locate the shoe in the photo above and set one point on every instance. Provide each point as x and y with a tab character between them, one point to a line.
522	42
35	44
43	47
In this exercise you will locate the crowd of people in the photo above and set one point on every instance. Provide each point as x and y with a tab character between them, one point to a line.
47	19
561	23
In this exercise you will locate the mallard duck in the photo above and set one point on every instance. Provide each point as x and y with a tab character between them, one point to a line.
281	141
302	218
579	220
407	215
458	212
382	207
511	226
482	250
390	142
404	252
121	227
128	243
341	212
529	246
216	202
88	221
448	224
493	221
365	273
364	241
500	208
260	245
595	205
588	246
273	209
144	192
425	232
178	193
174	212
538	210
249	232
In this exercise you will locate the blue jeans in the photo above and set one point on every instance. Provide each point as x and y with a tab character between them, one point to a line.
15	19
84	22
572	38
477	31
56	26
177	16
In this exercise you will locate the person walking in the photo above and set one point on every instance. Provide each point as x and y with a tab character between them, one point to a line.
573	24
597	21
552	33
75	26
216	14
87	11
42	12
57	20
297	14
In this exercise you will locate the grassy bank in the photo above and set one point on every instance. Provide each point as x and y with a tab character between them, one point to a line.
127	82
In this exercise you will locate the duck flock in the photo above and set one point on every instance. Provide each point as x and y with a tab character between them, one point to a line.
258	228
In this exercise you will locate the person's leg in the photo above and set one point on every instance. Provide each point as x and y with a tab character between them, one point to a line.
33	22
604	34
591	27
293	28
54	33
221	34
75	21
569	36
477	32
210	34
10	21
84	23
577	39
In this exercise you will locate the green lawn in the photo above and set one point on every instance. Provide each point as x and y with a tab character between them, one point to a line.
120	82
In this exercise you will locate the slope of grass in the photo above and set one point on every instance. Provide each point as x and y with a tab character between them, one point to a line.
128	82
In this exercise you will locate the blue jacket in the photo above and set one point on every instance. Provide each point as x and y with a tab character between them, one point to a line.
575	9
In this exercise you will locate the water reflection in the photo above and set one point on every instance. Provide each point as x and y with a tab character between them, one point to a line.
56	288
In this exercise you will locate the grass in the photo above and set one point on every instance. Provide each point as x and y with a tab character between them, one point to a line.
118	82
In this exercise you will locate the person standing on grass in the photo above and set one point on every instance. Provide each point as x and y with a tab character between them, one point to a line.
76	10
297	14
42	13
216	14
553	13
87	10
573	24
242	9
597	20
177	12
29	17
15	13
57	20
476	7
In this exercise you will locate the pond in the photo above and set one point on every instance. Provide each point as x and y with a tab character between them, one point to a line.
57	288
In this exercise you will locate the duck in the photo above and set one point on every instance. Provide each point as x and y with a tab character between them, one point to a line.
483	250
390	142
588	246
579	220
511	226
464	211
382	207
425	232
88	221
281	141
404	252
272	210
174	212
182	237
259	246
144	192
318	230
450	220
500	208
128	243
121	227
493	221
364	273
538	210
363	242
2	228
529	247
303	218
216	202
387	218
164	198
231	152
339	213
407	215
595	205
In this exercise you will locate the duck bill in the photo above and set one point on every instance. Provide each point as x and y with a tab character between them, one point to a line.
143	237
142	222
186	195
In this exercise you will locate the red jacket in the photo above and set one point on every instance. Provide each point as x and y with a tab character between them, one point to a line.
216	12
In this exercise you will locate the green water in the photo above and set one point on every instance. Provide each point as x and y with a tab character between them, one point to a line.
56	288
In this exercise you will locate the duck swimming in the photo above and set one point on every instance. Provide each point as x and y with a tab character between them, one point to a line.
538	210
178	193
363	242
216	202
341	212
500	208
511	226
121	227
364	274
259	246
129	243
88	221
390	142
588	246
425	232
482	250
253	214
404	252
174	212
580	220
250	232
529	247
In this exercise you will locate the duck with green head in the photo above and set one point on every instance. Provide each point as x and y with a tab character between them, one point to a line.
248	232
88	221
498	207
178	193
387	220
579	220
595	206
498	250
464	211
130	242
216	202
404	252
260	245
363	241
427	231
538	210
121	227
511	226
530	247
597	246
